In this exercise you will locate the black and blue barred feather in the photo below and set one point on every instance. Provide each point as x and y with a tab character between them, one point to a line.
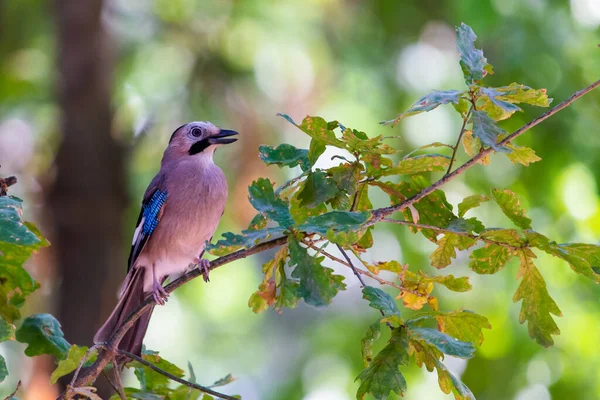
151	209
148	219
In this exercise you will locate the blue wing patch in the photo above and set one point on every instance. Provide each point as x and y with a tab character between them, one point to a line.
147	223
151	210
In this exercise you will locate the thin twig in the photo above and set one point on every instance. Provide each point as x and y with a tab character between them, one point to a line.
121	391
111	383
366	272
10	396
351	265
383	212
442	230
460	135
203	389
83	361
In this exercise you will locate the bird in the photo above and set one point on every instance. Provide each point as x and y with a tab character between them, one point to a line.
180	212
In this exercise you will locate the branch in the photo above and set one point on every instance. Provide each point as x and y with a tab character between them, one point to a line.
460	135
90	374
442	230
10	396
203	389
378	215
364	272
351	265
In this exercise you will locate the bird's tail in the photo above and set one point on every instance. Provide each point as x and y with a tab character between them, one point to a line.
132	295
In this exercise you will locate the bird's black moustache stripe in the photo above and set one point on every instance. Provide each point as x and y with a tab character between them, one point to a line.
199	146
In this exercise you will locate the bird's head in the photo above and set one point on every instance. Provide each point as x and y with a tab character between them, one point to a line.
198	138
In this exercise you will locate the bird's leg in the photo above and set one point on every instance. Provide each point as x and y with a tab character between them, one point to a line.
159	293
204	267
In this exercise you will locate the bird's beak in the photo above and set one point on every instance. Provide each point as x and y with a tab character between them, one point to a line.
223	137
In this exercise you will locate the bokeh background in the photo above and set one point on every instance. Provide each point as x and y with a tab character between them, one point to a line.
90	93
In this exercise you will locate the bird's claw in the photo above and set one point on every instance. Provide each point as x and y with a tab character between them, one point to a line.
204	267
159	294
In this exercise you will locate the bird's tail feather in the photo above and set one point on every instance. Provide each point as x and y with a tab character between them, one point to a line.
132	295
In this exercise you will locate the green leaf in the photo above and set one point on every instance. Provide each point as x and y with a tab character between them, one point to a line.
392	266
318	284
315	149
449	383
318	129
359	142
258	222
445	252
511	207
317	189
71	362
366	343
266	295
301	213
12	228
583	258
461	284
43	335
151	380
335	220
463	325
3	370
489	259
380	300
427	103
346	177
383	375
509	236
487	131
522	155
375	163
433	209
499	102
263	199
232	242
289	292
494	105
137	394
537	305
443	342
471	202
362	199
15	282
472	60
226	380
285	155
418	164
7	331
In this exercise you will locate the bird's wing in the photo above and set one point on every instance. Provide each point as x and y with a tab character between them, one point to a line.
150	214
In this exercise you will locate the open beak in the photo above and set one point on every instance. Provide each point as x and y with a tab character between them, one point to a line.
223	137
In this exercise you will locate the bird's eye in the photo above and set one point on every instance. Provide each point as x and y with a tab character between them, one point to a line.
196	132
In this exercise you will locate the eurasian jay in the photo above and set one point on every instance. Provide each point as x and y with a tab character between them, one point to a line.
180	213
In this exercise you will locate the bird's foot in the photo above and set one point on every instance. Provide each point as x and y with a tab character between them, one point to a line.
159	294
204	267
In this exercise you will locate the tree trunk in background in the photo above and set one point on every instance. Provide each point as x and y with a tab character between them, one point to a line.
89	196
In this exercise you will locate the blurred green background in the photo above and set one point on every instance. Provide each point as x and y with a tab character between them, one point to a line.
238	63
